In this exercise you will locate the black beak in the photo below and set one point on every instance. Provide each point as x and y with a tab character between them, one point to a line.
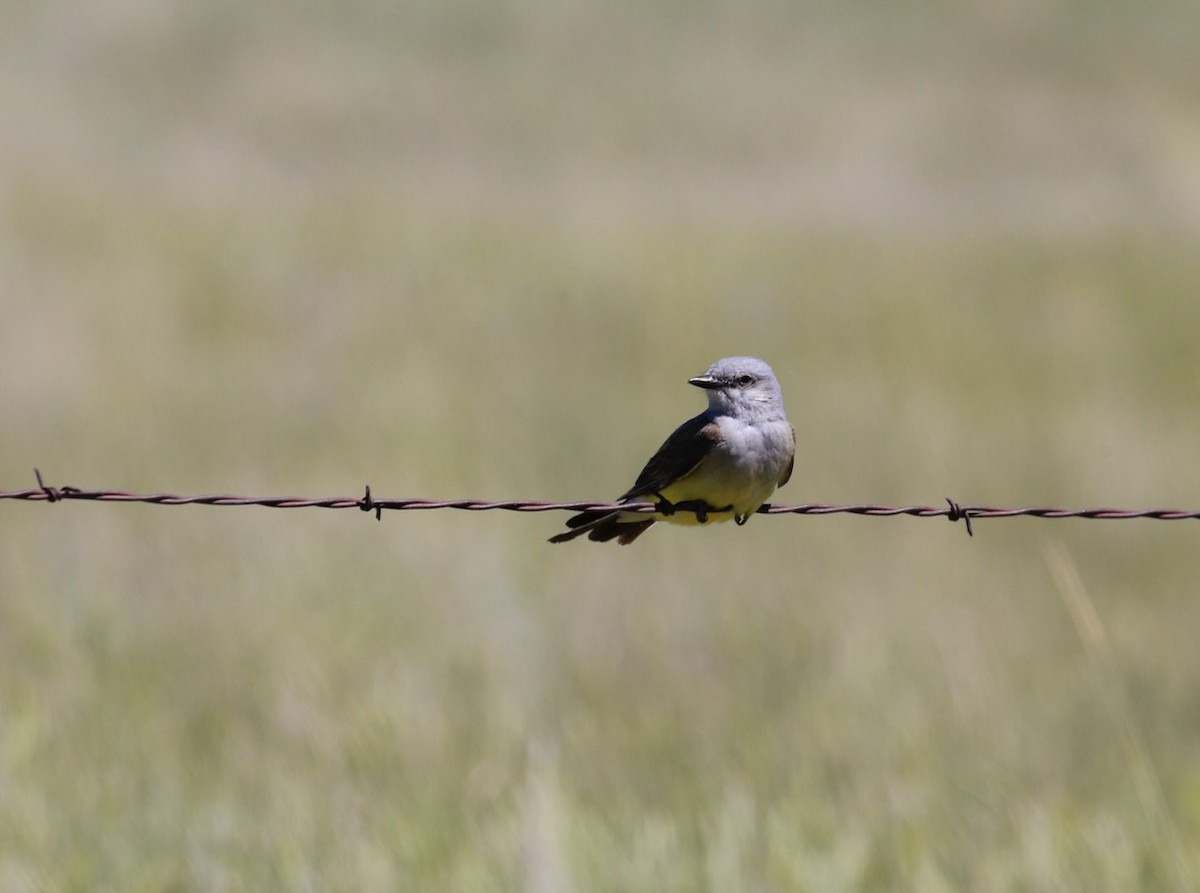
707	382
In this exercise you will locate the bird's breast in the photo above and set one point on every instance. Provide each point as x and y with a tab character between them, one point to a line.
742	471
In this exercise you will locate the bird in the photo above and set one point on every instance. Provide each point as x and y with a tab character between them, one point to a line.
719	465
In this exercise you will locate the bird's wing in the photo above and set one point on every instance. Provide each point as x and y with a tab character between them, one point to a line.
787	474
678	457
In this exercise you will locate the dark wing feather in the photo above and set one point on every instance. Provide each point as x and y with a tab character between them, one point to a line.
787	475
678	457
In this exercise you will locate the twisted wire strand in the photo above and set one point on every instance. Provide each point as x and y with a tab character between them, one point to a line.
953	510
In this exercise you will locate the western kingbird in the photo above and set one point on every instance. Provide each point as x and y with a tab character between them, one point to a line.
722	464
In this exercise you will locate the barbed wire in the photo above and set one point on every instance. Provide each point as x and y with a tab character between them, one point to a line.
953	511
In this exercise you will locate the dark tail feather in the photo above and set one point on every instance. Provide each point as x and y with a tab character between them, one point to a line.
623	533
601	527
586	519
580	524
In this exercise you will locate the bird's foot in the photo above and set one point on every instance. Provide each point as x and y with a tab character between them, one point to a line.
739	520
701	508
664	506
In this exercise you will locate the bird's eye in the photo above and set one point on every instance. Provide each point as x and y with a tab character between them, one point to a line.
746	380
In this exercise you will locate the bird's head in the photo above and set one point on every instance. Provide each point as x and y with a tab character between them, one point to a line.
742	386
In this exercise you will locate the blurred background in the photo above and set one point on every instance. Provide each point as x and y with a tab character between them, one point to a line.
469	249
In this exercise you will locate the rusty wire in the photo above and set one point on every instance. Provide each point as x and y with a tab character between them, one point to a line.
952	511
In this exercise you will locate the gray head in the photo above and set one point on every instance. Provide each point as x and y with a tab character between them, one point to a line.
743	386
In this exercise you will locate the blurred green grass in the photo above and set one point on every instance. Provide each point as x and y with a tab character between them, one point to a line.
475	250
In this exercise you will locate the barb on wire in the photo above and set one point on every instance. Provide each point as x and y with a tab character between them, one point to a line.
954	511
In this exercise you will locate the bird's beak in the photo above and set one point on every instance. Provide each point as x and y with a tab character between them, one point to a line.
705	381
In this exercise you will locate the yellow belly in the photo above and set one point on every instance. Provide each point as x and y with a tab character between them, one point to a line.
738	475
743	500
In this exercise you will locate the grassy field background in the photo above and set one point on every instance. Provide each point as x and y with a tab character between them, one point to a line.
476	249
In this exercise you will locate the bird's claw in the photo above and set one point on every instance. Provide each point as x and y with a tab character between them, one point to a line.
664	506
699	506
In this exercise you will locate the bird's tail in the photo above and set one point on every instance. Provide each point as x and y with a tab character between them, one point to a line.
601	527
